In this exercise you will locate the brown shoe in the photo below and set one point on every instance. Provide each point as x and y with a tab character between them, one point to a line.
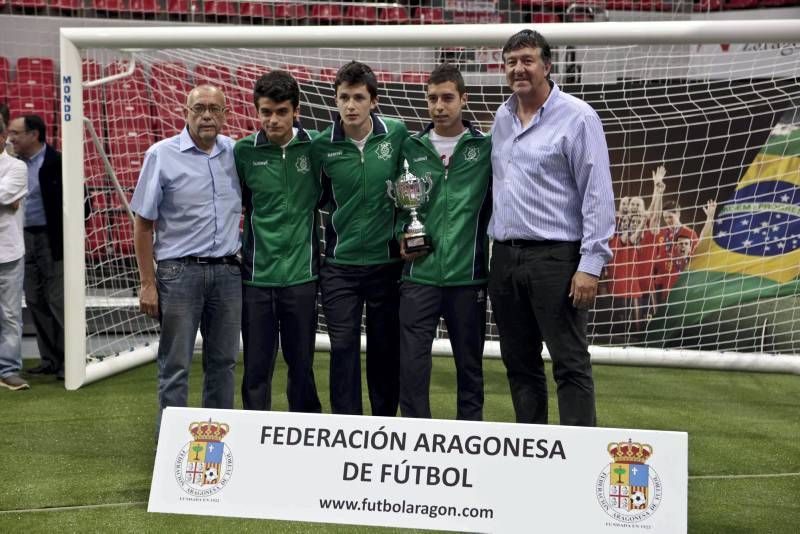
14	383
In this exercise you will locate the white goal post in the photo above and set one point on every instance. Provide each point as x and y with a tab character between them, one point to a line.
587	45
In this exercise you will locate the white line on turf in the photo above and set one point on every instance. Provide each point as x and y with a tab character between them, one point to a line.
756	475
67	508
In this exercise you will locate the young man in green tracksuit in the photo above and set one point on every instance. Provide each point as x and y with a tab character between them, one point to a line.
353	158
280	247
450	279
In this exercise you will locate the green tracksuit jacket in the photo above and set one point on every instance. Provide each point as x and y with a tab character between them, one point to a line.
359	228
280	196
457	214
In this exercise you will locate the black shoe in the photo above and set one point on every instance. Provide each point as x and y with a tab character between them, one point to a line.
60	374
43	369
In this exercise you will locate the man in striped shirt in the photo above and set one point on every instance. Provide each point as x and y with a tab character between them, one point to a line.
553	214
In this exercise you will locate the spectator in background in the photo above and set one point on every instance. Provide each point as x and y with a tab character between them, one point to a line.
44	250
13	187
5	115
188	198
666	254
280	247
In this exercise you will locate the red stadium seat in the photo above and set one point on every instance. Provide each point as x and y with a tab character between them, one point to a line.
67	6
414	77
327	75
36	70
248	73
172	74
120	224
301	73
108	6
126	155
326	13
213	74
144	7
30	4
290	13
429	15
707	5
241	120
221	9
184	8
255	10
384	76
91	70
170	118
740	4
25	99
360	14
549	4
393	15
545	18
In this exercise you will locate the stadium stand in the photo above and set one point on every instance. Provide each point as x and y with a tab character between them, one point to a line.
255	12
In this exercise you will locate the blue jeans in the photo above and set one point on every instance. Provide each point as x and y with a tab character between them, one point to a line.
12	274
192	295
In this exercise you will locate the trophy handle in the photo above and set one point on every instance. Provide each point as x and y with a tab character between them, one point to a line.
390	190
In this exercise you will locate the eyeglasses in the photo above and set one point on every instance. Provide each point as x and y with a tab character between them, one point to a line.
199	109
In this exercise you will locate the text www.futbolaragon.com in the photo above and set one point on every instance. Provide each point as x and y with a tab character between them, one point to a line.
403	507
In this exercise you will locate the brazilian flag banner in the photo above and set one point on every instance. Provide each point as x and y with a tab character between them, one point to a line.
742	286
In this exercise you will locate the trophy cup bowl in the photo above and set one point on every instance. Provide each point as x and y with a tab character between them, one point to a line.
409	193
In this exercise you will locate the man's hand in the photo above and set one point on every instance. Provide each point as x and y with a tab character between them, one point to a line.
658	176
583	290
15	205
408	257
148	300
710	209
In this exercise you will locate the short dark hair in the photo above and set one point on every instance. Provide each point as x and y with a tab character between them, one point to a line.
278	86
35	122
447	72
671	205
357	73
529	39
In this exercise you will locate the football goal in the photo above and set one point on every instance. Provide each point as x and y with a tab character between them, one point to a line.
702	120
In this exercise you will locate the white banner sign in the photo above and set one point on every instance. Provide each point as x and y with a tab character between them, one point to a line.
420	473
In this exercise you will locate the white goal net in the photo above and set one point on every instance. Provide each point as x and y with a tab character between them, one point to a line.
702	123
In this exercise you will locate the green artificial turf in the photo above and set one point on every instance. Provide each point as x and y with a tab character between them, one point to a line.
86	457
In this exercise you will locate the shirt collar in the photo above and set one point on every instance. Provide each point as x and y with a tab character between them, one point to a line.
39	156
472	129
378	127
187	143
511	103
302	136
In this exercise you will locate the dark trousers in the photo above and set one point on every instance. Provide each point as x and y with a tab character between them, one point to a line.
464	312
291	313
346	289
529	288
44	296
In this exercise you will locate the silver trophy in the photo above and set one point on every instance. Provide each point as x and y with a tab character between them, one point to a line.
409	193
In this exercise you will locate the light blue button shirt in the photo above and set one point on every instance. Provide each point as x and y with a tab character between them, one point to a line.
193	197
34	205
552	178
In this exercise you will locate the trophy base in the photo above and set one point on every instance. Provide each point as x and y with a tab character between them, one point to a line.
417	243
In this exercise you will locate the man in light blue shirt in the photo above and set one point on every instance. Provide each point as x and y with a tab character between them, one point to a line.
188	204
553	214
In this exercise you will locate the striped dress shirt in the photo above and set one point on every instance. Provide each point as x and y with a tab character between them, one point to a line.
552	178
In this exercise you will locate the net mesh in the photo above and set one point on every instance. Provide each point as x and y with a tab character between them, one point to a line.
704	143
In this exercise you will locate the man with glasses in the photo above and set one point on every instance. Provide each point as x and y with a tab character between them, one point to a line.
188	205
44	245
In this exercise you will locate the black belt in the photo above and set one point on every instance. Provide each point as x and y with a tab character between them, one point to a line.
229	260
528	243
36	229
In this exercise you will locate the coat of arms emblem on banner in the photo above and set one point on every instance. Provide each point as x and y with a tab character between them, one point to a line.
205	464
628	489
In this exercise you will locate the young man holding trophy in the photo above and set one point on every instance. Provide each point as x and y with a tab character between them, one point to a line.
280	247
353	158
447	182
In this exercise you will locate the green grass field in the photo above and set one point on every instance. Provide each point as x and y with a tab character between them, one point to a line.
82	461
